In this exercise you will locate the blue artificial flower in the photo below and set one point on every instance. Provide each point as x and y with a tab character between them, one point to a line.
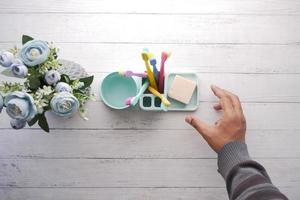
34	52
52	77
62	87
64	104
1	103
20	106
19	70
6	59
17	124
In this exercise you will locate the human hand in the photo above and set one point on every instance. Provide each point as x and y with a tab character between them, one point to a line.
230	127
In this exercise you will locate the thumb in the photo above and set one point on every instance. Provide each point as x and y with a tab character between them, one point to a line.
198	124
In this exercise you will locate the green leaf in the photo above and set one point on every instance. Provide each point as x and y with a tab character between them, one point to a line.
26	38
34	120
43	123
78	91
65	78
55	55
87	81
34	82
47	108
7	72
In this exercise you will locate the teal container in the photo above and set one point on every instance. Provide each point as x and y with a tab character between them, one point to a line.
149	102
176	105
115	89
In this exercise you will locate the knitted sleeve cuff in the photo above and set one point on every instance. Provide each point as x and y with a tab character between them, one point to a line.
230	155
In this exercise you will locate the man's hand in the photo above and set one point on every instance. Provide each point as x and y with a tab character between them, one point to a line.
230	127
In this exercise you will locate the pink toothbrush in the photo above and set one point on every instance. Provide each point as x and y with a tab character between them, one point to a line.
131	73
161	81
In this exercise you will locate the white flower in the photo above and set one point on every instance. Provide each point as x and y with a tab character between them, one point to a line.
47	90
41	98
78	85
40	104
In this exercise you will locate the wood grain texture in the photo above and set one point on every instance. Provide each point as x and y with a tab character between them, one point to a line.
185	57
178	29
250	47
131	172
280	88
259	116
144	144
113	193
197	58
264	7
124	193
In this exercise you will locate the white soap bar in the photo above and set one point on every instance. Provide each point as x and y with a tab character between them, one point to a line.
182	89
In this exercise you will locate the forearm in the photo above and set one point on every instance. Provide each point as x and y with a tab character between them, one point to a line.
245	178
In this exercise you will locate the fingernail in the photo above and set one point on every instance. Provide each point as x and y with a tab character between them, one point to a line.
188	119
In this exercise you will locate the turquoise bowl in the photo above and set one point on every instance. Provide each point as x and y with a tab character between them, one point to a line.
115	89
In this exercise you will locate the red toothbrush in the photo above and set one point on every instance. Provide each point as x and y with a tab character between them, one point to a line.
161	81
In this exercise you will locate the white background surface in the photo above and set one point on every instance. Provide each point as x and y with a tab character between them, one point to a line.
250	47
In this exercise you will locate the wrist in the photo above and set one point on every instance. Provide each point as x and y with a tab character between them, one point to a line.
231	154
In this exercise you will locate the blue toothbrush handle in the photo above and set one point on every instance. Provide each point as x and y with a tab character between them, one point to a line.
142	90
156	73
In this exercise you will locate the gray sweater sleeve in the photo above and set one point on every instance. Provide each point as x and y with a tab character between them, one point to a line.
245	178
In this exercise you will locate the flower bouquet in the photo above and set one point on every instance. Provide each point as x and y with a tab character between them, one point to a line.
47	84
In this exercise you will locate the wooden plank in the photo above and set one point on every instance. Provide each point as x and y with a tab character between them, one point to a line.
283	116
137	144
179	29
185	57
131	172
113	193
123	193
260	87
168	6
197	58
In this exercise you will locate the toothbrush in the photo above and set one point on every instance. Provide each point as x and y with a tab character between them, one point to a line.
164	57
131	73
151	78
164	100
133	100
153	63
151	55
155	71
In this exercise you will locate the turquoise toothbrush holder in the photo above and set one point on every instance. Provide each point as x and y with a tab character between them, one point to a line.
115	89
150	102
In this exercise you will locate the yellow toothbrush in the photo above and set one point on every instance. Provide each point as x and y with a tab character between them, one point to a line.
146	57
164	100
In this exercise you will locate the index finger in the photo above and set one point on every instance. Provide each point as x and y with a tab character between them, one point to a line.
236	102
225	100
218	91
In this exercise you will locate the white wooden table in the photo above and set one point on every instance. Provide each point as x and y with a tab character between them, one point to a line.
250	47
